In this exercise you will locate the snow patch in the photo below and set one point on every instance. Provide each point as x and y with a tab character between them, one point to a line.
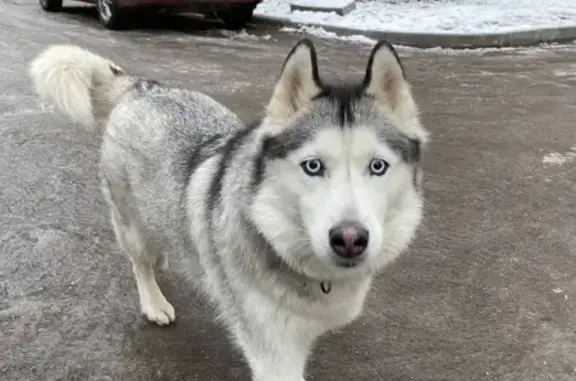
565	73
436	16
323	33
243	35
557	158
322	3
341	7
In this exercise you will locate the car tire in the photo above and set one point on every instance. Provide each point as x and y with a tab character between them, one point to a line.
51	5
237	17
111	15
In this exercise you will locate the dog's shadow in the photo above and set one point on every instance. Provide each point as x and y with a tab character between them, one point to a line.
194	347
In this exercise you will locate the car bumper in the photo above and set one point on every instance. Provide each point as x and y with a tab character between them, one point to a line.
136	3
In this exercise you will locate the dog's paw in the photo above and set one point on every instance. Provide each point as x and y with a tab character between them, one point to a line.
159	311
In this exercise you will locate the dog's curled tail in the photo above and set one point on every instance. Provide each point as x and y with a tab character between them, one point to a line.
80	84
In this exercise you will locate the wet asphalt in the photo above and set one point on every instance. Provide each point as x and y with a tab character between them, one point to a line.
486	293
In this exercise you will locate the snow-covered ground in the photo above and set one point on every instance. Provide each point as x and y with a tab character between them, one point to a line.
437	16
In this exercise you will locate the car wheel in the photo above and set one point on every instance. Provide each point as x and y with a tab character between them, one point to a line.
111	15
237	17
51	5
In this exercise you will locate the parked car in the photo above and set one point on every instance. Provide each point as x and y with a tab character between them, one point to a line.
114	14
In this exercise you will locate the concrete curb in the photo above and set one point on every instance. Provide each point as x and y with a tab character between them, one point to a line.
454	41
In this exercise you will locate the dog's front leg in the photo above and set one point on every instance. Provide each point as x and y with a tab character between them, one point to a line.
276	352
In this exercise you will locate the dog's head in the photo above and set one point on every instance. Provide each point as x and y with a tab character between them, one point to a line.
338	193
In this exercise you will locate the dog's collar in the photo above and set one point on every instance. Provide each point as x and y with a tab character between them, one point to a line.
326	286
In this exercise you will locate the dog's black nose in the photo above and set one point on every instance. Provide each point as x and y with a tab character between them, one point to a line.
348	239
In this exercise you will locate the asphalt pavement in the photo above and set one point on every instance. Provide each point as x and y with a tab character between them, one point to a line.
486	293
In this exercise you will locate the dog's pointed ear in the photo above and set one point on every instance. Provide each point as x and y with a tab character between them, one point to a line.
386	81
299	82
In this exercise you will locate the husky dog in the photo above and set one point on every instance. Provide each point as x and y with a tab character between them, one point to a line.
282	224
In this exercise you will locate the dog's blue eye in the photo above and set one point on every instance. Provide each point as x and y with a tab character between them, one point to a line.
313	167
378	167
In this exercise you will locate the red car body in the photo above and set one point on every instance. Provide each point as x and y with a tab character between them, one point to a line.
136	3
113	13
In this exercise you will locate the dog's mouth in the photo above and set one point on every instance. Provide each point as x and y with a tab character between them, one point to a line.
347	263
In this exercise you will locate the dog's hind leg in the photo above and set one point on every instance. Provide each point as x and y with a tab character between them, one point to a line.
153	303
133	241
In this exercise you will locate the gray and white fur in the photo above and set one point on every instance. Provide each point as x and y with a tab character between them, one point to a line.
282	224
